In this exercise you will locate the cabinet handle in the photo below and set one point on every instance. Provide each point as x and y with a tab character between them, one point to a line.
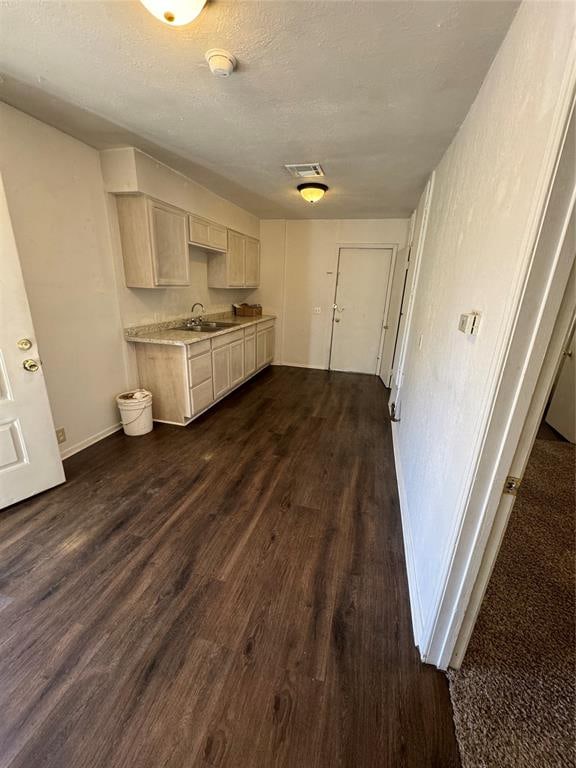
30	365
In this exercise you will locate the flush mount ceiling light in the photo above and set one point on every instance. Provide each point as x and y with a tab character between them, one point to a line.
312	192
174	13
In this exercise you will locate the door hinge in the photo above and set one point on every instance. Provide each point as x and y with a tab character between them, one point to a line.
393	416
512	484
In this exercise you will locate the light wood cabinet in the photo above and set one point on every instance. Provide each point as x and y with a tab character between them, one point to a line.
221	370
270	339
154	242
239	267
264	345
207	234
250	352
236	255
236	362
186	380
252	263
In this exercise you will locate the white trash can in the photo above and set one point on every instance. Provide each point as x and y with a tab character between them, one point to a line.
136	411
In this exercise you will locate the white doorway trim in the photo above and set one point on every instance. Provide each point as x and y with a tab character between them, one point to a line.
385	323
417	242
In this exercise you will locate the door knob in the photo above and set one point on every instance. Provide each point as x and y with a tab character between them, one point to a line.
24	344
336	319
30	365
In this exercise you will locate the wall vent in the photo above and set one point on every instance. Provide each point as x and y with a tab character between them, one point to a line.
305	170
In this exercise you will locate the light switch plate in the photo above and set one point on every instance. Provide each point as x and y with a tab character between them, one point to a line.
469	323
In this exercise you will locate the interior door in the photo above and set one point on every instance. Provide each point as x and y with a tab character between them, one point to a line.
409	295
29	457
360	308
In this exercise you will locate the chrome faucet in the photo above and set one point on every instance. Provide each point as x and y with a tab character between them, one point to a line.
199	317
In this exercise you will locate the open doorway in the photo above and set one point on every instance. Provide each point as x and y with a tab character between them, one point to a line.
516	679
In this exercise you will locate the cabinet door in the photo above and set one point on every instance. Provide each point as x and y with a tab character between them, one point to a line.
236	256
201	396
252	275
269	344
221	370
250	354
169	244
261	349
236	362
199	230
218	237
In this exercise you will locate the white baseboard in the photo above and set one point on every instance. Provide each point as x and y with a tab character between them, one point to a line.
303	365
65	453
415	601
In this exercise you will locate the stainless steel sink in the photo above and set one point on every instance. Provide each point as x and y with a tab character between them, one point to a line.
205	327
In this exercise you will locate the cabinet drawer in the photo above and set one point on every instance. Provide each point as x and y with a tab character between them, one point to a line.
250	331
227	338
201	396
265	324
200	369
200	348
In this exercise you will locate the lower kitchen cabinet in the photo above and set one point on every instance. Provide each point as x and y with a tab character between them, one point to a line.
221	370
186	379
265	344
250	352
201	396
236	362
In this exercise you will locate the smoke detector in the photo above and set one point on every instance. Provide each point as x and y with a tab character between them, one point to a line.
221	62
305	170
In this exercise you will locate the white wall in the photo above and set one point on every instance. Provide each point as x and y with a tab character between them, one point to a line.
58	209
475	257
299	264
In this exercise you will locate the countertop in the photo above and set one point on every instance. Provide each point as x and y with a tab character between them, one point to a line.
166	333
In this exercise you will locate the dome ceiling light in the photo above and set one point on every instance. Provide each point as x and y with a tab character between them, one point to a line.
312	192
174	13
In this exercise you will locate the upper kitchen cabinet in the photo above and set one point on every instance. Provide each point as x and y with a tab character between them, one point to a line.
239	266
154	239
207	234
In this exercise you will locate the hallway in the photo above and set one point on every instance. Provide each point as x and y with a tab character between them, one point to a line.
230	594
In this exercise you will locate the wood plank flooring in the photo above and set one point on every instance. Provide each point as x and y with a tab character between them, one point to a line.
232	594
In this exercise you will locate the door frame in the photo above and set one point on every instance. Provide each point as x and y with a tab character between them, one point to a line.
375	246
417	243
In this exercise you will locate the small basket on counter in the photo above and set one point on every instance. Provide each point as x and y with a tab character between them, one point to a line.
247	310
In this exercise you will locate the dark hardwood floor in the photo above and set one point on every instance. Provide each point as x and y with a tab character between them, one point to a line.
230	594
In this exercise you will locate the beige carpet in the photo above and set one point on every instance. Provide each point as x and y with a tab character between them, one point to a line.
514	698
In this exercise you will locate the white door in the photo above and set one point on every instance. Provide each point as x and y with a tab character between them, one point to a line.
29	457
394	315
562	410
409	295
360	308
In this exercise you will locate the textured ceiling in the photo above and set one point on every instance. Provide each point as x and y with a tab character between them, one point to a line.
374	91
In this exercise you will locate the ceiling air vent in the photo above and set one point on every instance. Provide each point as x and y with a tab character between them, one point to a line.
305	170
